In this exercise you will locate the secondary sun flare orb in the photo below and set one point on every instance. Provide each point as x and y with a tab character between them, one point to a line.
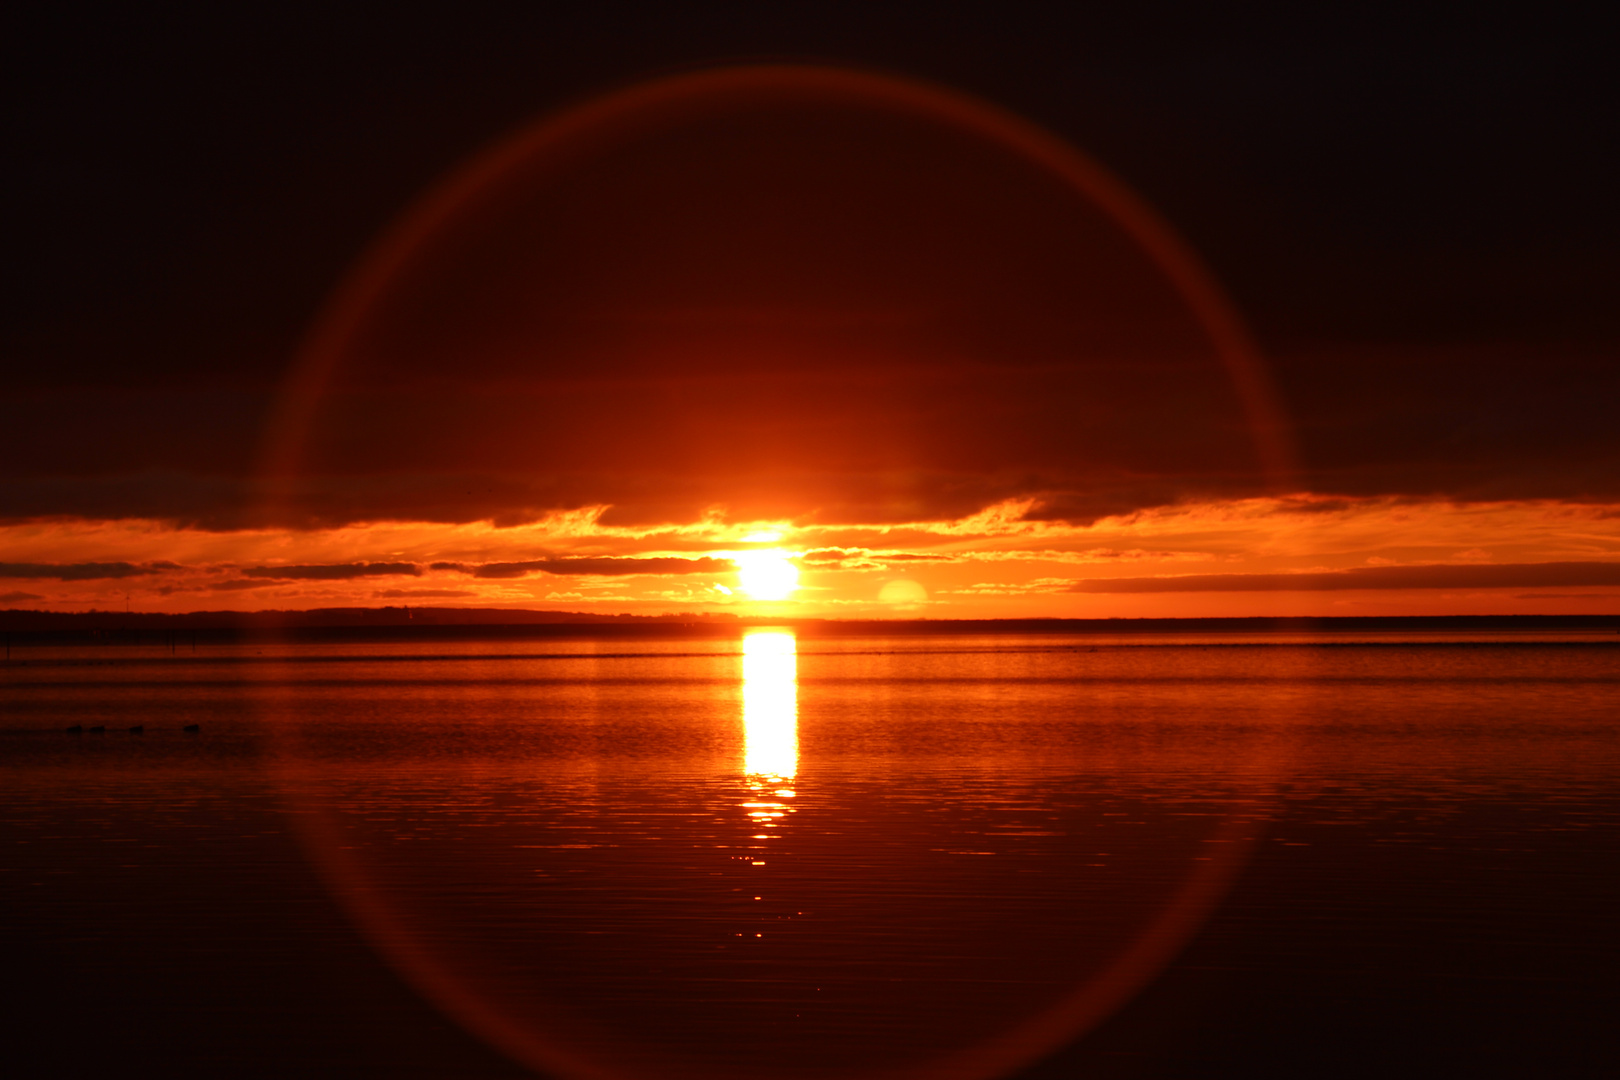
766	575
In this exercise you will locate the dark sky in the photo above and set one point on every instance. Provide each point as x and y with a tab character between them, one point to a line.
1412	204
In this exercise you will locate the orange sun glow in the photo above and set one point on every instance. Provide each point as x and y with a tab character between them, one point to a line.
767	574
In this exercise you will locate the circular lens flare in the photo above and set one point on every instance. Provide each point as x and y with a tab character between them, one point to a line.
452	290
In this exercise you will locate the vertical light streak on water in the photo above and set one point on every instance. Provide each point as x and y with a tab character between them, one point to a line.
770	705
770	696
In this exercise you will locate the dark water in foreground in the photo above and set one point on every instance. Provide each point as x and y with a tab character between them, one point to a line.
766	857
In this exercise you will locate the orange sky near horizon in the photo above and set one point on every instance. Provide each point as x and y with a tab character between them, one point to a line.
1236	558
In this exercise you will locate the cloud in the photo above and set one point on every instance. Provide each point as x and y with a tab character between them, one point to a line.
1468	424
1088	555
936	325
334	572
1440	576
1473	422
85	571
407	594
741	300
859	558
835	557
14	597
1564	596
604	566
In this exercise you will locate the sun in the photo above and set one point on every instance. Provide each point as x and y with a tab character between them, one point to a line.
766	574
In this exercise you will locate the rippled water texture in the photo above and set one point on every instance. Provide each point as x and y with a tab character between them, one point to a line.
761	856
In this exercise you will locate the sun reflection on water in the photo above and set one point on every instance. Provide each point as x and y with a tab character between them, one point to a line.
770	694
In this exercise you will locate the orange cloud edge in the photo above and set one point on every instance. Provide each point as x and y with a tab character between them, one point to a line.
1298	555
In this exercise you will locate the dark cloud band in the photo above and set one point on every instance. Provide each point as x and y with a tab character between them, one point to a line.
609	567
76	571
1500	576
335	572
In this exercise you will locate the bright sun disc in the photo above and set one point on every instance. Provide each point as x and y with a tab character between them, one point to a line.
766	575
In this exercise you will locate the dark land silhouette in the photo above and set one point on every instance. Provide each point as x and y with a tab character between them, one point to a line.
402	624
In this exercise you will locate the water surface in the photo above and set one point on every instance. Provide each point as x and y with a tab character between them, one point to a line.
775	857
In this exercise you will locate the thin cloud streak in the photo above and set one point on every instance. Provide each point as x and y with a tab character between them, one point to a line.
88	571
596	567
1499	576
341	572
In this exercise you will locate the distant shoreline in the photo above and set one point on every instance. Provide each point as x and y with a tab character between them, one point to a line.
405	624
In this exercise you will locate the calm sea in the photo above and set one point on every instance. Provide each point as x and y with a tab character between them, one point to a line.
775	856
